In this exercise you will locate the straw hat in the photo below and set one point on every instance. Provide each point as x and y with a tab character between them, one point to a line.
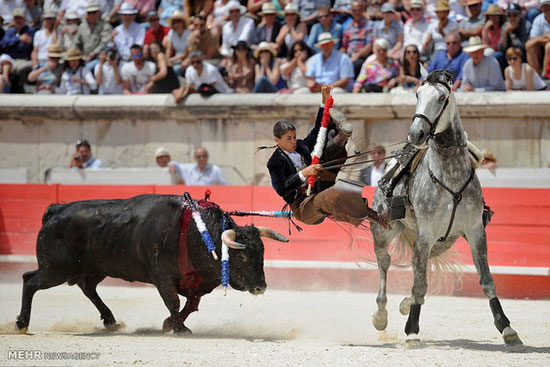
470	2
417	4
291	8
324	38
264	46
127	9
474	44
233	4
93	6
543	2
73	54
18	12
71	15
493	9
442	5
178	15
48	14
161	152
54	50
268	8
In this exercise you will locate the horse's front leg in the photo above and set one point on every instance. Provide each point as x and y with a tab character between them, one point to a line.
477	240
380	316
421	254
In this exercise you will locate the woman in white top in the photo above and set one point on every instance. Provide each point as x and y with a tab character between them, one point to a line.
293	31
175	41
519	75
294	70
77	79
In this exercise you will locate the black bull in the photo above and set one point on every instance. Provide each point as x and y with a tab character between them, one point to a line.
139	239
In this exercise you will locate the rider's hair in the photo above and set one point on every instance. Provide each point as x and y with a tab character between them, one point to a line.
281	127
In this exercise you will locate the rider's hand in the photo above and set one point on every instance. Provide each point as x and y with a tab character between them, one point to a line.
312	170
326	89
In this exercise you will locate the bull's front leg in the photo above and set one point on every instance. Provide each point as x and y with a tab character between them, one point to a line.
168	290
191	305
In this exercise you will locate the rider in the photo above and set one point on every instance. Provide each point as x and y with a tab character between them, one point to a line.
290	166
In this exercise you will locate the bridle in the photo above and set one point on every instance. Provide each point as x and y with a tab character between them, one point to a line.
457	196
433	125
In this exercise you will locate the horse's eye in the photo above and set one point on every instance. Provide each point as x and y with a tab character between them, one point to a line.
441	99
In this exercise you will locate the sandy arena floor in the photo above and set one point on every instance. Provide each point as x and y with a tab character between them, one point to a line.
280	328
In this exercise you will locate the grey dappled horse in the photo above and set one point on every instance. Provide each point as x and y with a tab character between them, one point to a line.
443	179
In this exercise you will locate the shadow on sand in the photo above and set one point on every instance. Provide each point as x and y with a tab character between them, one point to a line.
459	344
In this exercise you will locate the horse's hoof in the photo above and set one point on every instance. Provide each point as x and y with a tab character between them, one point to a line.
167	325
511	337
405	306
22	330
112	327
412	341
380	319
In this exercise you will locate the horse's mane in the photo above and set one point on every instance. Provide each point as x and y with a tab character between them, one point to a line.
440	76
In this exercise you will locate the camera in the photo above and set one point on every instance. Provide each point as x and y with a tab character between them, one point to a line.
77	158
111	54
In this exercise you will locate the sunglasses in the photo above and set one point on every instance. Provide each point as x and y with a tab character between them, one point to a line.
195	62
234	11
137	56
411	52
323	16
452	43
513	58
201	156
416	9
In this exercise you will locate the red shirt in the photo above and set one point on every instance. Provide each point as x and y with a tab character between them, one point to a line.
159	35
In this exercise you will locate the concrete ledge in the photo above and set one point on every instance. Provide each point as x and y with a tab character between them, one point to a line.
356	106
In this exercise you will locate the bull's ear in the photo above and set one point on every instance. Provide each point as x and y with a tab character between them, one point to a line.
269	233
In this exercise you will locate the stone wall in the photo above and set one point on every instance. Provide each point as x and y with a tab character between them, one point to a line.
39	132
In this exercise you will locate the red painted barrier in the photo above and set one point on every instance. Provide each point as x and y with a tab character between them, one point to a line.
518	237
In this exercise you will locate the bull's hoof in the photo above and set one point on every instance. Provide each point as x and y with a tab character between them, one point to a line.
21	325
380	319
112	327
405	306
511	337
167	325
183	332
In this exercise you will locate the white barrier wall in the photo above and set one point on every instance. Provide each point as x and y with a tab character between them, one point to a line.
39	132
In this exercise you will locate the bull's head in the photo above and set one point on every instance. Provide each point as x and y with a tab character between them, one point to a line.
246	266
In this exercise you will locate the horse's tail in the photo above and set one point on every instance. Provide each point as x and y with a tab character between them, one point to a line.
445	269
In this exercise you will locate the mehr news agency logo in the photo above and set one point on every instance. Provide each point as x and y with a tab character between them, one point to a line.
27	354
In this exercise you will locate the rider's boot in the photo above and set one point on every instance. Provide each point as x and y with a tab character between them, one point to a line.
345	128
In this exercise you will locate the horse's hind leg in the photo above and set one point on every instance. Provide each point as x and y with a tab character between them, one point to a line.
34	281
88	286
380	316
477	240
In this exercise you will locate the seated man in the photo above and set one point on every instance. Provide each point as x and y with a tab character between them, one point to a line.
453	58
202	173
290	166
480	73
83	157
201	77
18	44
138	73
370	175
325	24
237	28
329	67
162	156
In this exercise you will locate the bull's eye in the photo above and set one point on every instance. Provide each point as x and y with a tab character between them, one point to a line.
242	257
441	99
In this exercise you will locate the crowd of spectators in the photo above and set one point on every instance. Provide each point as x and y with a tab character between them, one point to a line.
270	46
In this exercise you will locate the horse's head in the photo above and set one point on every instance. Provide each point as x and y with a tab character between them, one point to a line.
433	97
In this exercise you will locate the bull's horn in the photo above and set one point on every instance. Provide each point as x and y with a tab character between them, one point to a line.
269	233
228	237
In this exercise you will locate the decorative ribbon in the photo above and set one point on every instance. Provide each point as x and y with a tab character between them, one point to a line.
225	260
201	226
320	143
263	213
